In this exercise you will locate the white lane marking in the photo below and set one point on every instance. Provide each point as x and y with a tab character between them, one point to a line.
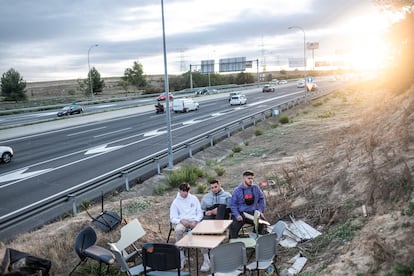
20	174
101	148
154	133
191	122
85	131
112	132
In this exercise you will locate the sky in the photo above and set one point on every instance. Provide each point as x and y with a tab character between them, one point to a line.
47	40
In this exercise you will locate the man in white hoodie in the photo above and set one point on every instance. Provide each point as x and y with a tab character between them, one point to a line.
185	213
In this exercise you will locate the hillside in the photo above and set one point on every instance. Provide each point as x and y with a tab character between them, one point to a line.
351	149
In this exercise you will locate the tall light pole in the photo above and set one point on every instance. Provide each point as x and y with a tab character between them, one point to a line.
167	93
304	52
89	67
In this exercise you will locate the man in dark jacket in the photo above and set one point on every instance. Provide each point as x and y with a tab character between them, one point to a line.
246	197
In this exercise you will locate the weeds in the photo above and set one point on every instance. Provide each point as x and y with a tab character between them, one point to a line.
136	206
219	170
409	211
236	149
284	120
189	173
339	235
258	132
404	270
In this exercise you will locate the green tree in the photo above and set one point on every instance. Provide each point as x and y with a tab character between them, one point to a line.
98	84
243	78
13	86
135	76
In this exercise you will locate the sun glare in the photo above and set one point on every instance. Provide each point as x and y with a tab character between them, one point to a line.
369	49
369	53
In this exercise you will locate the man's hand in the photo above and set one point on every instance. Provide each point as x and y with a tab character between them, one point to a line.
212	212
188	224
239	218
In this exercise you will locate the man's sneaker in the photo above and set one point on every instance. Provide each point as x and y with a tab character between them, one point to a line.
205	267
182	263
182	257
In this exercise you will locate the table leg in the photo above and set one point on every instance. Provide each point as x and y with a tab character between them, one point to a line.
188	257
196	261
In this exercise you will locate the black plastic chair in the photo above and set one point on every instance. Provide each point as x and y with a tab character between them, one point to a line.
85	248
161	258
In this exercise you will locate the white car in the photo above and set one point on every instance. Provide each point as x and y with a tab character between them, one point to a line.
283	82
238	99
6	154
300	84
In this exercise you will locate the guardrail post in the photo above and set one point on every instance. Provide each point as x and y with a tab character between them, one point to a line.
190	150
211	140
254	120
157	161
228	132
242	125
74	207
125	173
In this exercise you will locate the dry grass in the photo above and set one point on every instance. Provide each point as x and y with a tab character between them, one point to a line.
354	149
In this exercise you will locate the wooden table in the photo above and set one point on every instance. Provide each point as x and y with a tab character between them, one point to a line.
211	227
199	241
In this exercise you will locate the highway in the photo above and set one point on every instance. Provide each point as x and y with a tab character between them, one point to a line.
58	159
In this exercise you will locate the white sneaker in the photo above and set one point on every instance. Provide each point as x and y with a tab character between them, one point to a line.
182	264
182	257
205	267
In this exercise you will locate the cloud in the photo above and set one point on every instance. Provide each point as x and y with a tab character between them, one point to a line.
49	39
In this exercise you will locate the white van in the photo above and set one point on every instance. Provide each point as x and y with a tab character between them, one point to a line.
184	105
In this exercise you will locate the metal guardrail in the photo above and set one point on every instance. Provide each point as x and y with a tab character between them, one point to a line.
154	163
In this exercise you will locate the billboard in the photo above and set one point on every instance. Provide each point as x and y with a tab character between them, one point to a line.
232	64
207	66
296	62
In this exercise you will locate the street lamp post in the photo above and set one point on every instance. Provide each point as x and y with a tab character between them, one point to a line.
304	52
167	92
89	67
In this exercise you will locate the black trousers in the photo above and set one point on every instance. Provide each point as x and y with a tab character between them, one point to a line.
237	225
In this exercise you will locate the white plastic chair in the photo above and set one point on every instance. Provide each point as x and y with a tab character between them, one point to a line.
265	253
125	246
130	233
122	262
279	228
228	259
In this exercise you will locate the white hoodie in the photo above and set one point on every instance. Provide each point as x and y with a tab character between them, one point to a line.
188	208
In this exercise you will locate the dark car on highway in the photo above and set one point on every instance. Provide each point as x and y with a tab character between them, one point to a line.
70	110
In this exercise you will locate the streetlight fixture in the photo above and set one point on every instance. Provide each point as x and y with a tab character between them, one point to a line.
89	67
304	52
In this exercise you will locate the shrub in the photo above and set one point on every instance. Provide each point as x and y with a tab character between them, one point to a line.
189	173
236	149
159	190
258	132
284	120
202	188
316	104
219	170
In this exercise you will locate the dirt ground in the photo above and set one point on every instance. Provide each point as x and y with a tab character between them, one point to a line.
338	156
